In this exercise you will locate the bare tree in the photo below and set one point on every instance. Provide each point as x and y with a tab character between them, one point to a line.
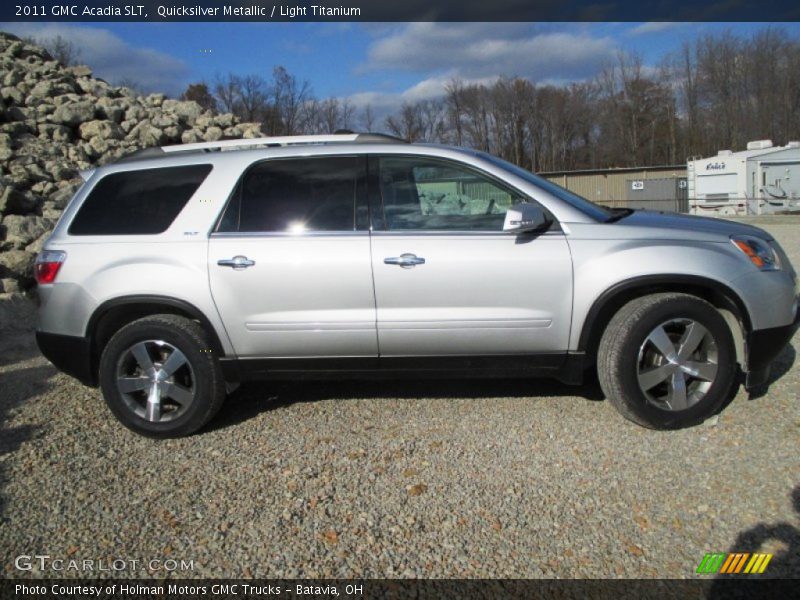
288	97
253	98
453	94
199	92
228	91
60	48
408	123
368	118
330	114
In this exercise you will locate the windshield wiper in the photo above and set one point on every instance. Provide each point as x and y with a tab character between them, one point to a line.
620	213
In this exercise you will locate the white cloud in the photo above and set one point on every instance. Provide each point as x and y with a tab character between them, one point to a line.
384	104
653	27
476	53
473	50
112	58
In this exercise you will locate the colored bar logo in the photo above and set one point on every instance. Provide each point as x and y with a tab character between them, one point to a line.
734	563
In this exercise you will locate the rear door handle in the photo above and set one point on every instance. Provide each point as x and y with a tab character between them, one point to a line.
237	262
405	260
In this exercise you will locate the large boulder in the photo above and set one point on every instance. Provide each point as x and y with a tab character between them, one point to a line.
17	264
12	201
187	111
110	109
107	130
43	89
147	135
74	113
12	95
212	134
61	198
22	230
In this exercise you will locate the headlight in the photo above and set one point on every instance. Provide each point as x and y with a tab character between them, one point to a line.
759	252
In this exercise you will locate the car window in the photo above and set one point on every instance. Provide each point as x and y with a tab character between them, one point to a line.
296	195
430	194
139	202
587	207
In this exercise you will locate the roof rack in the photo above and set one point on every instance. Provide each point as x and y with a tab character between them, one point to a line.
289	140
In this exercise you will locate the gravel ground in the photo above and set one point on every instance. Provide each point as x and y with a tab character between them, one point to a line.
417	479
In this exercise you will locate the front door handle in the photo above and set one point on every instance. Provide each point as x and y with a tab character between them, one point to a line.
237	262
405	260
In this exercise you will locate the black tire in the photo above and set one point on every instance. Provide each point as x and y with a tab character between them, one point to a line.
199	373
622	347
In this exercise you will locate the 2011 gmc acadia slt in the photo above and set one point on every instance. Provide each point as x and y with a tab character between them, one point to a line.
178	271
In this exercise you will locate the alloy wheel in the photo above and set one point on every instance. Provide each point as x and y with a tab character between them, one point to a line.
677	364
156	380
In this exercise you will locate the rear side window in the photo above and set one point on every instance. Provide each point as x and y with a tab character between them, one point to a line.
138	202
297	195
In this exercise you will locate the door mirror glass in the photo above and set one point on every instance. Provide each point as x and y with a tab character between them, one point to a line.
524	217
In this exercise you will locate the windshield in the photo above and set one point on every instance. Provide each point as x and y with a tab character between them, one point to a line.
587	207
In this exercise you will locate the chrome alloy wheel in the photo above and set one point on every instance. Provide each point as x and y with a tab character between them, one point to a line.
677	364
155	380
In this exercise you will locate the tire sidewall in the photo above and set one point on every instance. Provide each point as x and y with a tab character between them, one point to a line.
684	308
138	331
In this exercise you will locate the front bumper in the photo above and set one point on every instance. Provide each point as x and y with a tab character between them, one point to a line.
70	354
763	346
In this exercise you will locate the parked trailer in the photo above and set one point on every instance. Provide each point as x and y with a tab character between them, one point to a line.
763	179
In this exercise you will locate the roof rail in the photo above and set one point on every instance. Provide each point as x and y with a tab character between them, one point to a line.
289	140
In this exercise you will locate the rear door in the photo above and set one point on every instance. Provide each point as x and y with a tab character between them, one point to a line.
448	281
289	263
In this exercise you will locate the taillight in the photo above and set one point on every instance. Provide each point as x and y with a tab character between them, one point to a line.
47	265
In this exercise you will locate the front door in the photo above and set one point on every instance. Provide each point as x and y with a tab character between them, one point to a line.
448	281
289	264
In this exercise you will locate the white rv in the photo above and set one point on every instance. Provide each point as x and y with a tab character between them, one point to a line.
760	180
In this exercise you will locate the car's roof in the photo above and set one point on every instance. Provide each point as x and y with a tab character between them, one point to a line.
233	153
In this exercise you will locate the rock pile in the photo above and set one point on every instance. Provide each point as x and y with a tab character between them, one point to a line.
55	121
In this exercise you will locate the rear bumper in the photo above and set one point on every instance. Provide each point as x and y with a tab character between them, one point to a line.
70	354
763	346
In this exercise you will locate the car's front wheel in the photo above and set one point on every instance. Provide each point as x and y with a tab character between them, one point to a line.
160	378
667	360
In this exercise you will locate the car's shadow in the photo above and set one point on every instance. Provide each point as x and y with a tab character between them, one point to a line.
254	398
251	399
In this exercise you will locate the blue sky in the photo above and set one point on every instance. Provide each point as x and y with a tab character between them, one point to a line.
379	64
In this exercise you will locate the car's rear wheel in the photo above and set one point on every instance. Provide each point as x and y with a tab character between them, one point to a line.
160	378
667	361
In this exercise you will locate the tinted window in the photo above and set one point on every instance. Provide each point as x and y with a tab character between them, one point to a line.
138	202
296	195
421	193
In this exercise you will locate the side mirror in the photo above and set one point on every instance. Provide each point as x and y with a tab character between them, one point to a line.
524	217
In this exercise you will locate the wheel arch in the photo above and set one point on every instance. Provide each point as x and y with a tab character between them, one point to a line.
612	299
113	314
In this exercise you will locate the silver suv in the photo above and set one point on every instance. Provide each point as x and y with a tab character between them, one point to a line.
178	271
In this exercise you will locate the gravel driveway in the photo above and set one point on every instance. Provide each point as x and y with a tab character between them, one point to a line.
416	479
